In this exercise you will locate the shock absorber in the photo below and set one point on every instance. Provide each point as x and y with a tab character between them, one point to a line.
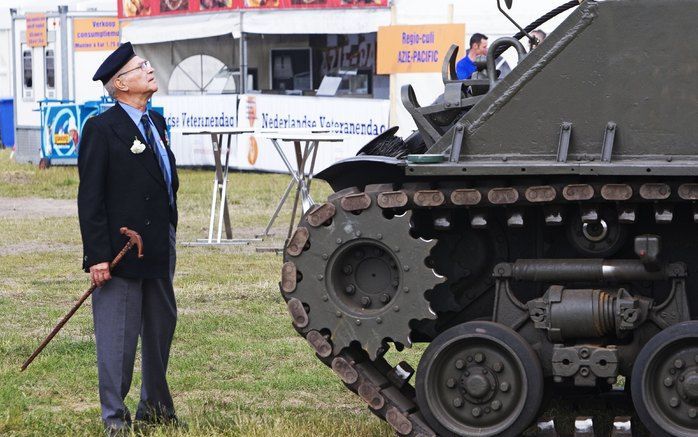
586	313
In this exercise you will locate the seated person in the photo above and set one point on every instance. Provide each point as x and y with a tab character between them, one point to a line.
466	66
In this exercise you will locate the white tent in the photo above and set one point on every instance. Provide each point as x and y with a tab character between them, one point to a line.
195	26
227	34
182	27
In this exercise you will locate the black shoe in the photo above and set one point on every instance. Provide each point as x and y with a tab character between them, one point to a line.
113	430
145	423
176	422
143	427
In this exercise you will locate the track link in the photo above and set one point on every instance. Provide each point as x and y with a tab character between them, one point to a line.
386	389
584	427
388	394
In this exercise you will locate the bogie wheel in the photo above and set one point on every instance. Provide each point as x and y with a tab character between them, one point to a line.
479	379
665	382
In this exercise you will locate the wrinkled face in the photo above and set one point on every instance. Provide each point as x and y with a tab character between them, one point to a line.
137	77
480	48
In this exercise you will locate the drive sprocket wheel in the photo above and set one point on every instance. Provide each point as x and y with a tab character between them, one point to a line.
362	278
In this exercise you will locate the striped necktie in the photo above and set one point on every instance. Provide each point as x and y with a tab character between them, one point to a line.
150	138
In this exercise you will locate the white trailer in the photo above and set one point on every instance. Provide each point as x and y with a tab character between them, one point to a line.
54	70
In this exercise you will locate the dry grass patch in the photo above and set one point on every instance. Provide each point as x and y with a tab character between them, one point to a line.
237	367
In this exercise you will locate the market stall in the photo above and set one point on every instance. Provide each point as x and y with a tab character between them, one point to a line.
210	46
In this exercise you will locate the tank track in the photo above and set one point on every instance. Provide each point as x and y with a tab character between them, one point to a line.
386	389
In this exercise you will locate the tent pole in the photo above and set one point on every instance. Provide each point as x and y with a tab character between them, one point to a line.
65	87
13	71
394	90
243	57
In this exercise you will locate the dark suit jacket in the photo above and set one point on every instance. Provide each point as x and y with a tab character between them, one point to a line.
120	188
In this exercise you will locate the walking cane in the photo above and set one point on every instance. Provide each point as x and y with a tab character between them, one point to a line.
133	240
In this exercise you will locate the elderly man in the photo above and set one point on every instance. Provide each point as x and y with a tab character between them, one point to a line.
128	178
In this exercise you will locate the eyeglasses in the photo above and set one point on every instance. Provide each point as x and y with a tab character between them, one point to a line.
145	65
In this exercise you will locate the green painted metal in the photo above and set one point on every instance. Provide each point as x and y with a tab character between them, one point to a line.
426	159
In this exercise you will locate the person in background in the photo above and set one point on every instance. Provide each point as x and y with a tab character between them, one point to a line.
539	35
466	66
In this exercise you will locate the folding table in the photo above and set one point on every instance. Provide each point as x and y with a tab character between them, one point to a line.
219	199
306	145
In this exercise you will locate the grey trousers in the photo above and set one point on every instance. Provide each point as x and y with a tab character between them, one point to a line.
123	309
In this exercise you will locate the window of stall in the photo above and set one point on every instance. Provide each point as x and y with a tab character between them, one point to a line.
27	73
49	62
352	58
291	69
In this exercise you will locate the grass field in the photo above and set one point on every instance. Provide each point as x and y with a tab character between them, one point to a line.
237	367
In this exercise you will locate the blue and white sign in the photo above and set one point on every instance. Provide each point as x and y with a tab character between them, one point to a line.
62	127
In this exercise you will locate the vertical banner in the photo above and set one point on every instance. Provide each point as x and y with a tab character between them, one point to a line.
36	29
416	49
357	121
97	33
197	112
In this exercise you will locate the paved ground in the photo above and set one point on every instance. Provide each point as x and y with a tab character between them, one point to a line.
13	208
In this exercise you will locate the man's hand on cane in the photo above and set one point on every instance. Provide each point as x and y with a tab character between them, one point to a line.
99	273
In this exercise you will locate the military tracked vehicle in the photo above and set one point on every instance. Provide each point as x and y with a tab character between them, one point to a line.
539	231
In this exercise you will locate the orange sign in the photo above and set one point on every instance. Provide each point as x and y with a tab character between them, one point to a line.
96	33
36	29
416	49
61	139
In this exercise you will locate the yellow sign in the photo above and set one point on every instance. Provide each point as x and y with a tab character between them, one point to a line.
61	139
97	33
36	29
416	49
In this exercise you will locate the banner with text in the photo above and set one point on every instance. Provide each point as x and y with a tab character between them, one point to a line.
96	33
36	30
357	121
416	49
151	8
197	112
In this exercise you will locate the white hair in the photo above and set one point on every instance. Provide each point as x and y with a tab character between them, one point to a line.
111	88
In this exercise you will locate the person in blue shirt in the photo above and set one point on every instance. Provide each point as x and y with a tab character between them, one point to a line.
466	66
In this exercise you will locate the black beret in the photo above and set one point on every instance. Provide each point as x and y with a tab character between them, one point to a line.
114	62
